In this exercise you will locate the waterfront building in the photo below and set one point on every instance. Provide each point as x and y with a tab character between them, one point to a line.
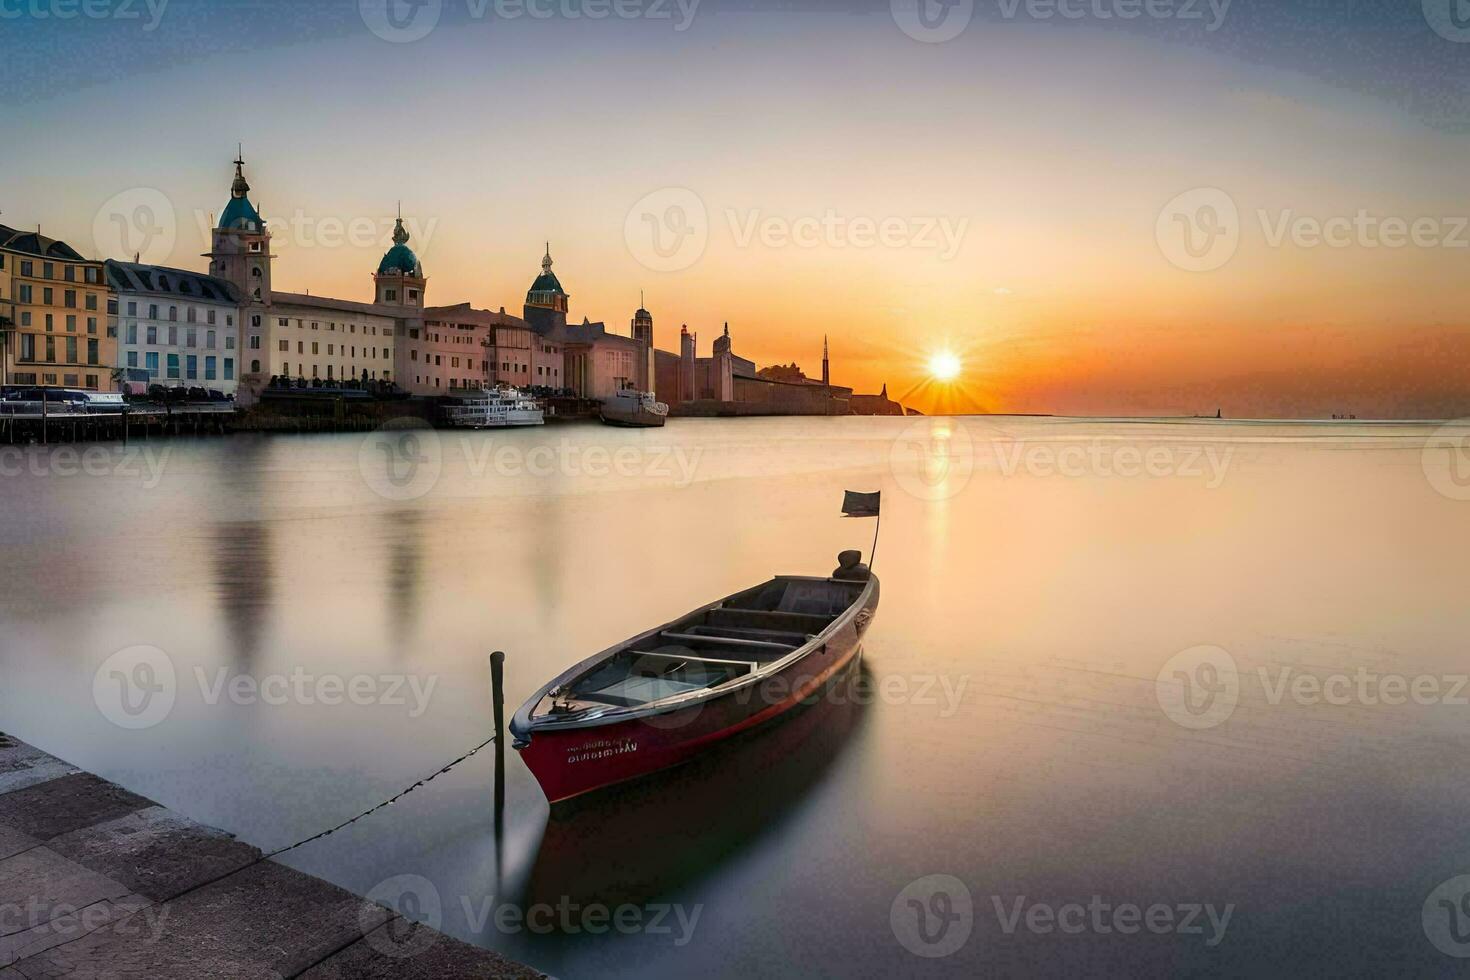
173	327
461	347
299	335
586	357
56	301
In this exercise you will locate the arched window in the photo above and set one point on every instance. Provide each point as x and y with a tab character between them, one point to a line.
173	313
254	367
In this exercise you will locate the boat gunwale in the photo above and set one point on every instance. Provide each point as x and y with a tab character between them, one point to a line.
523	727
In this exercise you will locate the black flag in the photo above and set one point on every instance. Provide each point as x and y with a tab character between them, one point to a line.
855	504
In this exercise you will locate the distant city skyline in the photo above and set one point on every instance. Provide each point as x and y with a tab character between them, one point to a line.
1007	196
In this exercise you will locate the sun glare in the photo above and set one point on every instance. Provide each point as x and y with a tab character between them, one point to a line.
944	366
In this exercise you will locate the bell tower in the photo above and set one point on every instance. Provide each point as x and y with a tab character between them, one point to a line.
643	334
400	278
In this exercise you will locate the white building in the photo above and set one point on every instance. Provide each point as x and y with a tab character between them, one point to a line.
174	326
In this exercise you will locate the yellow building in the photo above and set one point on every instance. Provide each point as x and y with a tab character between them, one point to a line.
57	303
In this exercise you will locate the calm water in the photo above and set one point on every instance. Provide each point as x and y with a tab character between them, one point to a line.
1039	578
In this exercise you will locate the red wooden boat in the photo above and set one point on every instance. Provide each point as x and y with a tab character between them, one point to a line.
665	695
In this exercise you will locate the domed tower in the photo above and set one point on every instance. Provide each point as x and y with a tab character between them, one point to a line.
240	243
546	301
400	279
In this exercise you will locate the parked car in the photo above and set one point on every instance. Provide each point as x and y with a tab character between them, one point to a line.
215	395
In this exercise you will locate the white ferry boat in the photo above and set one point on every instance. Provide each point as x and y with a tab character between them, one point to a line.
634	409
493	408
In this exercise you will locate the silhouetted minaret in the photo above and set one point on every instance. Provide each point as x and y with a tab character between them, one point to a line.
826	370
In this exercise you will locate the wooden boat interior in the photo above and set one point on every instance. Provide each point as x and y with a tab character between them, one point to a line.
708	648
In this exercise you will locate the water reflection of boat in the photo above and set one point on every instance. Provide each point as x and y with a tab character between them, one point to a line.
639	840
672	692
635	409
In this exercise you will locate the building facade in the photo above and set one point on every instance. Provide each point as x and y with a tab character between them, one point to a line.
174	327
57	304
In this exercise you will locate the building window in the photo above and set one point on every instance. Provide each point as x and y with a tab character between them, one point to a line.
173	313
150	361
209	339
255	342
132	308
132	358
173	366
92	352
152	334
91	302
255	367
191	367
229	369
153	311
209	367
209	317
285	346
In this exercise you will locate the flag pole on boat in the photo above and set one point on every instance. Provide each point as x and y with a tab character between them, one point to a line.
856	503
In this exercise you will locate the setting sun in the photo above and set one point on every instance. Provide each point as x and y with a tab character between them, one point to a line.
944	366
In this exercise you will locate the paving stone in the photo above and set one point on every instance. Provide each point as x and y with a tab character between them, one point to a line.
156	852
39	884
60	806
266	921
66	927
22	765
404	950
13	841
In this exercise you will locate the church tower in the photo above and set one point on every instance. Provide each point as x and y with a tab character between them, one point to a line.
240	243
826	367
643	334
546	302
240	252
722	368
400	279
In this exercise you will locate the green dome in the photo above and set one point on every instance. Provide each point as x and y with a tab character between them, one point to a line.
240	215
400	258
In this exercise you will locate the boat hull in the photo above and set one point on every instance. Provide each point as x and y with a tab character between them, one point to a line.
569	762
631	420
